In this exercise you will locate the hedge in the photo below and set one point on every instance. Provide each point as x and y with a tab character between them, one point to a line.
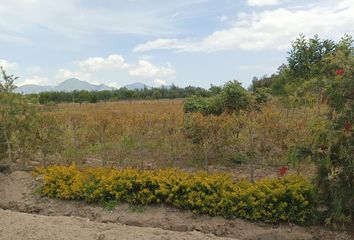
289	199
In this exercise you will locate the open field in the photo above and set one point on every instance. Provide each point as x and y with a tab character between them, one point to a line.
180	119
157	134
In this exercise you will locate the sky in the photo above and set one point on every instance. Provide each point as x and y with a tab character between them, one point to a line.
159	42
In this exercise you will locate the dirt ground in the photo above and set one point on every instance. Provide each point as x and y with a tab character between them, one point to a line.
15	225
26	215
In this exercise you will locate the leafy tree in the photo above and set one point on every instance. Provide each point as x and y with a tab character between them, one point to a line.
92	98
334	149
18	120
307	58
235	97
232	98
196	104
7	106
263	82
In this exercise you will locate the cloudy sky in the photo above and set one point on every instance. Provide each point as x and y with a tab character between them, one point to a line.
185	42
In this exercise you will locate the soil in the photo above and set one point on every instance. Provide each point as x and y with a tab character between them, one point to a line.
26	215
15	225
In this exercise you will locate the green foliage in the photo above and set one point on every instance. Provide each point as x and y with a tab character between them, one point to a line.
196	104
308	66
8	85
137	208
124	94
239	159
289	199
235	97
308	58
261	95
334	150
17	118
231	98
263	82
111	204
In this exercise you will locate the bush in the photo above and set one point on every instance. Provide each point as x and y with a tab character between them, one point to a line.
196	104
289	199
232	98
235	98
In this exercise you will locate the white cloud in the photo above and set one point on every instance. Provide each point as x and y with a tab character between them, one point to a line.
262	2
34	69
93	64
81	20
114	84
146	69
96	69
271	29
36	80
8	66
160	82
64	74
163	43
223	18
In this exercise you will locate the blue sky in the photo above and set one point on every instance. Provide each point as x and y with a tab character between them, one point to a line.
185	42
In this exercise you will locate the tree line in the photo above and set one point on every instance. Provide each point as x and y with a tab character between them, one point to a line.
172	92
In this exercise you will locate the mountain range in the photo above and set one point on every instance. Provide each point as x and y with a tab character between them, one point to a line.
73	84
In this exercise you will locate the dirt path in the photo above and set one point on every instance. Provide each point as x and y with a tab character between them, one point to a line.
17	194
15	225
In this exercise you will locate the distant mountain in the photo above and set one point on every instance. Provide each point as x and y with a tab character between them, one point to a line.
73	84
76	84
66	86
137	85
32	88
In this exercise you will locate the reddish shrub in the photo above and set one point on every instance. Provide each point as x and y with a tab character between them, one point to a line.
283	171
340	71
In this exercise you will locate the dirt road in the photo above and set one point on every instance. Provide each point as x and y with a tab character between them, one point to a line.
21	226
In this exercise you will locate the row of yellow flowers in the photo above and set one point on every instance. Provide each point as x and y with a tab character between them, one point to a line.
269	200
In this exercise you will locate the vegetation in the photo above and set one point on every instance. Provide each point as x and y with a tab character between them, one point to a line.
317	71
300	118
231	98
17	118
172	92
289	199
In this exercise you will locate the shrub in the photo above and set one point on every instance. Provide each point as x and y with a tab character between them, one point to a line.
270	200
232	98
235	97
196	104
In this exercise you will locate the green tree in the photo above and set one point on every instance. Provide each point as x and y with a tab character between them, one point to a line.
17	120
235	97
334	147
7	111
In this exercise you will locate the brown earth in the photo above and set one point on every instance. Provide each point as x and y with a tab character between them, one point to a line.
56	219
15	225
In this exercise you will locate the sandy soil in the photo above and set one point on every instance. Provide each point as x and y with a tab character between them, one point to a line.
79	220
15	225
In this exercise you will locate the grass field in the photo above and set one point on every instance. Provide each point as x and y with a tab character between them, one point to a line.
158	134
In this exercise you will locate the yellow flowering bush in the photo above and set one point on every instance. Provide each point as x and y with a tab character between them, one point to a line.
289	198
